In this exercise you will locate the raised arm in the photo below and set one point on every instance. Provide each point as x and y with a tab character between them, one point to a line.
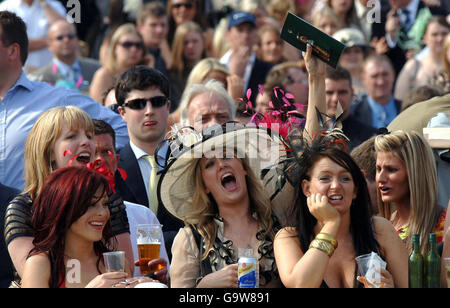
316	96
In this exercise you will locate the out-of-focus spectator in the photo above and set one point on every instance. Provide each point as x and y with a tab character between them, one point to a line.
339	91
66	69
379	107
291	77
353	56
188	49
326	20
304	8
153	24
345	11
365	14
257	8
38	15
240	59
271	46
441	80
418	72
181	11
278	10
126	50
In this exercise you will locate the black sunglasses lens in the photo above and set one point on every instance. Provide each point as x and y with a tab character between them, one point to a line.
158	101
137	104
131	44
140	103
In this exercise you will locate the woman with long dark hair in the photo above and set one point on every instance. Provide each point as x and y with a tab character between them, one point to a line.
71	222
333	223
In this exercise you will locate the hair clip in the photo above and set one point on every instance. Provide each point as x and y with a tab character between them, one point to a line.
383	131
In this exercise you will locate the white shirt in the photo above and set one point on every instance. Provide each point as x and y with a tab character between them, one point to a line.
37	26
137	215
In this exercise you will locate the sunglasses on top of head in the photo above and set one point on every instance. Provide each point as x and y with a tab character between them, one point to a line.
187	5
141	103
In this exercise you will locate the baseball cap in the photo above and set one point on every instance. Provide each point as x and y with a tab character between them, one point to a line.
239	17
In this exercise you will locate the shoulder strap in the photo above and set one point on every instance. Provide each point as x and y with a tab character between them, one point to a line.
205	265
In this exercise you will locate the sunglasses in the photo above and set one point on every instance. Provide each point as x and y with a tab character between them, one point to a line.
141	103
128	45
187	5
70	36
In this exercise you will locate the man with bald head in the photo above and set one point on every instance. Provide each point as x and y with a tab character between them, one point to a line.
66	69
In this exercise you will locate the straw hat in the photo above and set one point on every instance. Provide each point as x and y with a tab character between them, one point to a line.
261	147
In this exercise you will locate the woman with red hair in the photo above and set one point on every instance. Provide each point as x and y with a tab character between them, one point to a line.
76	227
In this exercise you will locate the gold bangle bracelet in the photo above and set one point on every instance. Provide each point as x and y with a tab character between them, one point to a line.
323	246
327	237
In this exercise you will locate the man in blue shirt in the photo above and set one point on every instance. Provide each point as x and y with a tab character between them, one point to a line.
378	108
22	101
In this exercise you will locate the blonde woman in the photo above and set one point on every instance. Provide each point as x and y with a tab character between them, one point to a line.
442	79
418	72
271	46
188	49
61	136
326	20
224	208
125	51
407	179
346	13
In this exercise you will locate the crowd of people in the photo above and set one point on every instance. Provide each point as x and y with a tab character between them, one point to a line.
197	115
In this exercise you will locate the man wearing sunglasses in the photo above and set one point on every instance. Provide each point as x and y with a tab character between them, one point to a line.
142	95
66	69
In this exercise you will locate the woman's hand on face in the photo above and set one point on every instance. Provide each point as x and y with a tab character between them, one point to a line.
321	209
108	280
227	277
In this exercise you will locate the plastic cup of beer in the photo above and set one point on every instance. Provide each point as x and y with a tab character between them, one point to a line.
114	261
149	238
369	266
447	270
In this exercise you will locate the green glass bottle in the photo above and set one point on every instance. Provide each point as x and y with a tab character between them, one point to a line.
432	265
416	264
